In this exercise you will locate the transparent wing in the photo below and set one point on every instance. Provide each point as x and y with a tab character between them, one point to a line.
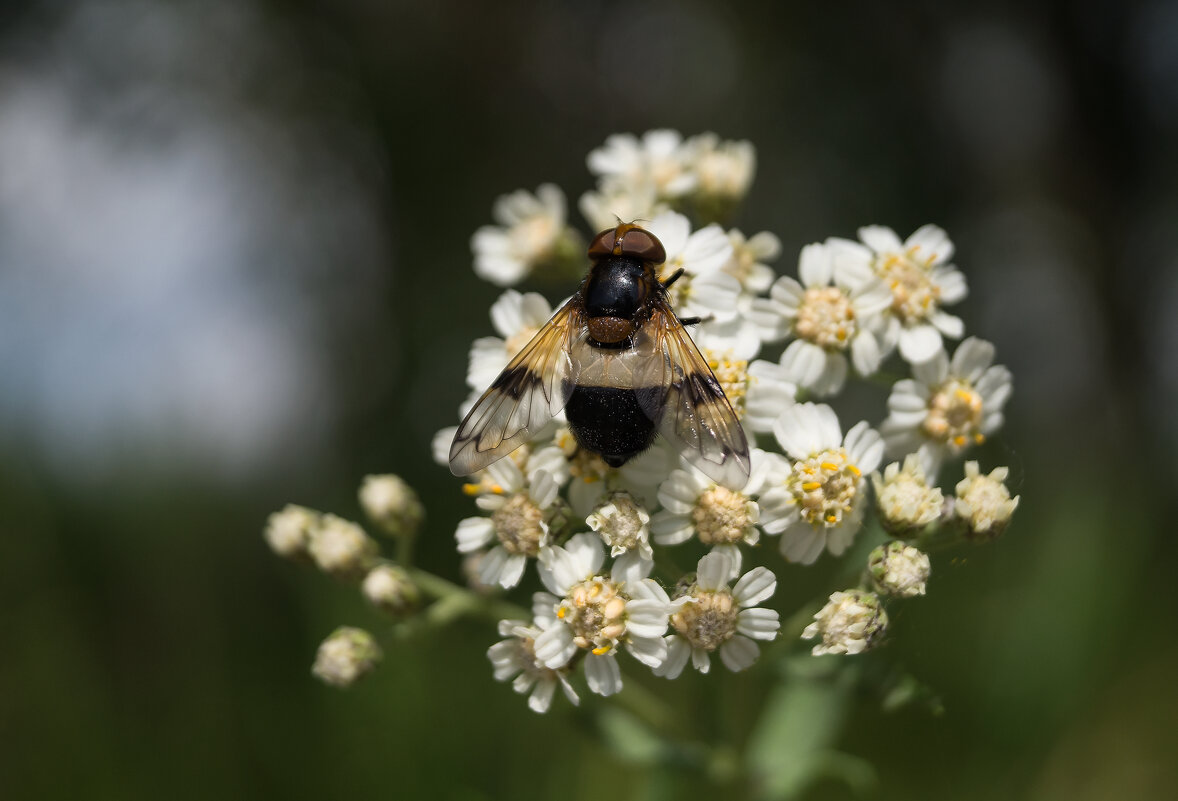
691	407
525	396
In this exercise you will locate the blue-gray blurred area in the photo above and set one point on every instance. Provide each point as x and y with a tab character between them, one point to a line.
235	272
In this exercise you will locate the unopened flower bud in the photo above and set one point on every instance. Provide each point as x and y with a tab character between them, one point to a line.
851	622
389	588
898	569
983	502
345	657
288	532
341	548
392	504
906	501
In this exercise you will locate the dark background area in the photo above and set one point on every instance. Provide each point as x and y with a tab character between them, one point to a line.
235	273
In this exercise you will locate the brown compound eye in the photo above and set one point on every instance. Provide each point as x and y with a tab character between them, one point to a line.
642	244
603	244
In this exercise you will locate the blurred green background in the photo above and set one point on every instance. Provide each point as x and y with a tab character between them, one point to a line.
235	272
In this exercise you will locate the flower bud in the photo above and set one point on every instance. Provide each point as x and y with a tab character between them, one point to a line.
389	588
392	504
906	501
622	524
340	547
851	622
898	569
983	502
288	532
345	657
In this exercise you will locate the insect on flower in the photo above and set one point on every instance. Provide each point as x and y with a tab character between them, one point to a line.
623	368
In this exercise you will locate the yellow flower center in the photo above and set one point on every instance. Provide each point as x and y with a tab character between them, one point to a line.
825	317
519	525
596	612
733	375
914	295
955	416
824	487
722	516
707	621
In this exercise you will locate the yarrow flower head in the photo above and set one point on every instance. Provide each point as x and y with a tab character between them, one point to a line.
716	618
704	289
389	588
517	523
852	622
515	659
948	406
597	613
624	525
288	532
906	501
341	548
392	504
898	569
983	502
834	311
531	233
516	317
817	501
921	280
346	656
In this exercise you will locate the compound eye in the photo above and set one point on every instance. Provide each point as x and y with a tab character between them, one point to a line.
602	245
642	244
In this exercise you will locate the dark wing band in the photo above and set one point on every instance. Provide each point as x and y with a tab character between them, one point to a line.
525	396
692	409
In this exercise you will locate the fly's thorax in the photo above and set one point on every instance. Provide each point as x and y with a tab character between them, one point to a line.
620	287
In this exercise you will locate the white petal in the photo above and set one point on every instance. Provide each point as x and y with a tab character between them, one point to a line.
646	618
952	284
678	651
803	543
739	653
865	353
473	533
805	361
880	239
631	568
544	489
814	266
700	660
971	359
919	343
588	552
713	571
760	624
947	324
932	373
833	376
602	674
505	313
541	697
932	245
544	608
755	586
671	529
865	446
554	647
511	572
650	651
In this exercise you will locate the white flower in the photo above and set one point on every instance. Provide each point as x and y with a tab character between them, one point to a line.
921	281
288	532
659	159
341	547
529	232
850	623
603	208
723	169
623	525
518	523
833	311
717	618
899	569
345	657
771	388
597	613
696	506
392	503
947	406
517	318
515	658
906	501
704	289
817	502
747	264
984	502
389	588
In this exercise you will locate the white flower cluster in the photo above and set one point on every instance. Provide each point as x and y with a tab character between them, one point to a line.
850	307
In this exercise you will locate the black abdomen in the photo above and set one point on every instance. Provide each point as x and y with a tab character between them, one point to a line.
610	422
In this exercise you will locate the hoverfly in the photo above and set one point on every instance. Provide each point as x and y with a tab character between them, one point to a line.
621	365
